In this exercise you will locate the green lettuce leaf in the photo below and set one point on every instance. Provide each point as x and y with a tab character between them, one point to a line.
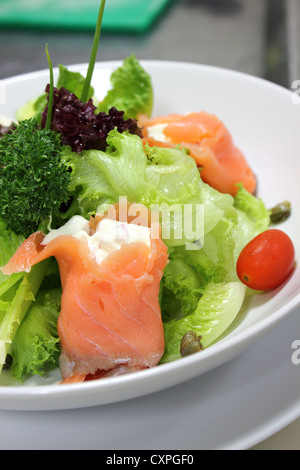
181	290
131	92
164	180
18	300
216	261
36	349
217	258
253	207
73	82
178	185
32	109
120	171
9	242
17	292
22	306
215	312
251	218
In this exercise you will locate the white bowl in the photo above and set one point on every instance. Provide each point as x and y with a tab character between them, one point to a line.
264	120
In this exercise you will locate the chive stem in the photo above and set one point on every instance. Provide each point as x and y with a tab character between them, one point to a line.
50	99
93	57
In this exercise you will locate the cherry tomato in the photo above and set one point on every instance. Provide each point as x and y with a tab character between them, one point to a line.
267	261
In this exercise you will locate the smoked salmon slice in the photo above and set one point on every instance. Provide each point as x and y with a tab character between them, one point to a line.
222	165
110	320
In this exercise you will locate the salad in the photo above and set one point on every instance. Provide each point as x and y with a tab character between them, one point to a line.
127	240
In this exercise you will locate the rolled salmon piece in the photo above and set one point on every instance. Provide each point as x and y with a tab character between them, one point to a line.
222	165
110	320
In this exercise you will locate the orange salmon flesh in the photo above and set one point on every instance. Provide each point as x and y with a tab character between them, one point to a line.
222	165
110	320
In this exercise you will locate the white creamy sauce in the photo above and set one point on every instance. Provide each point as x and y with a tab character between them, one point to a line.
157	132
75	225
110	235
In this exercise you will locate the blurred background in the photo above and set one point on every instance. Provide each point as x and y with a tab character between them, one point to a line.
259	37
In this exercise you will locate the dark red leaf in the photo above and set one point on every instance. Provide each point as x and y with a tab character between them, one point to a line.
79	125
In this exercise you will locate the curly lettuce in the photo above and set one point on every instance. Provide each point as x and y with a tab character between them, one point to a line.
131	90
164	180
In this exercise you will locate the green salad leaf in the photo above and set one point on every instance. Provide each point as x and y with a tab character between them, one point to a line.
9	242
98	176
35	349
131	90
165	180
32	109
215	312
253	207
27	301
181	289
73	82
18	300
215	265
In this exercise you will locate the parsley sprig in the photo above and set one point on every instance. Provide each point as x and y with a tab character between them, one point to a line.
33	180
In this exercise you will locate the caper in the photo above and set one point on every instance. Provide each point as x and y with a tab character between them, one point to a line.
190	344
281	212
8	362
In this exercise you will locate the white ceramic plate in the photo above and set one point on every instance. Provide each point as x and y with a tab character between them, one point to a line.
265	122
232	407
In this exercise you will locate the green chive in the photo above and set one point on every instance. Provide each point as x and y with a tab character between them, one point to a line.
93	57
50	102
